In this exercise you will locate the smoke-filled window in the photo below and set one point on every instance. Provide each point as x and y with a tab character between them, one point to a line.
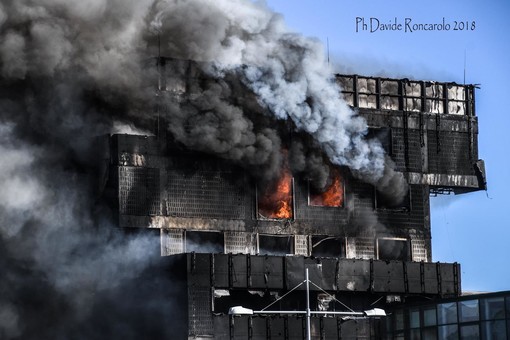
278	245
383	135
204	242
392	249
388	202
326	246
331	196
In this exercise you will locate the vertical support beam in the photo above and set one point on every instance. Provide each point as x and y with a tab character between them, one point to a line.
378	93
268	327
446	99
322	328
230	271
355	98
401	94
425	150
231	327
406	276
405	117
372	270
456	279
439	279
339	327
212	264
250	327
438	129
248	270
422	277
308	331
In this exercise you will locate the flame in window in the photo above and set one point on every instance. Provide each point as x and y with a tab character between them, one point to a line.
332	196
275	201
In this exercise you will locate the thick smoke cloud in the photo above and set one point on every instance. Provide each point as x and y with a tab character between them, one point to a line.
287	72
72	70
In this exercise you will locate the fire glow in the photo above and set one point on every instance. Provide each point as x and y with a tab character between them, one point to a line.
333	195
275	201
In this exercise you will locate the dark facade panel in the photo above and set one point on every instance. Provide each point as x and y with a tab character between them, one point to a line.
448	153
139	192
206	194
406	149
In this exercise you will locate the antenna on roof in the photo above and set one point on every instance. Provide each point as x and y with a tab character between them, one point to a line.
327	43
464	66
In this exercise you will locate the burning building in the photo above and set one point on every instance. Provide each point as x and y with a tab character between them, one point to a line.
242	238
242	162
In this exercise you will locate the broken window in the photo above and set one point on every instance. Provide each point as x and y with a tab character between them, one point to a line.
389	94
239	243
360	248
328	246
172	241
434	98
456	100
275	200
367	93
392	249
347	86
332	195
204	242
412	96
279	245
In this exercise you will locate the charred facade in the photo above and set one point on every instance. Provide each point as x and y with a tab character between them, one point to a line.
249	239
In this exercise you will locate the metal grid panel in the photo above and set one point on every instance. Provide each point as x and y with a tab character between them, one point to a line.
301	245
172	241
205	194
451	156
419	251
360	248
200	312
239	243
139	191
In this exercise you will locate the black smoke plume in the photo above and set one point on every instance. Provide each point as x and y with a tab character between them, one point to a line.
72	70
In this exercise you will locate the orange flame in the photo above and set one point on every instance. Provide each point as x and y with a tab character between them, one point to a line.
333	195
276	200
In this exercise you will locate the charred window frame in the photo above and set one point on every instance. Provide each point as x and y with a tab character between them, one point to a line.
457	99
328	246
348	89
390	94
328	198
435	98
204	241
367	93
412	96
392	248
258	201
407	95
277	245
381	203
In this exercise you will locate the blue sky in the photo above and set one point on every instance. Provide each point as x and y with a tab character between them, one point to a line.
472	229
